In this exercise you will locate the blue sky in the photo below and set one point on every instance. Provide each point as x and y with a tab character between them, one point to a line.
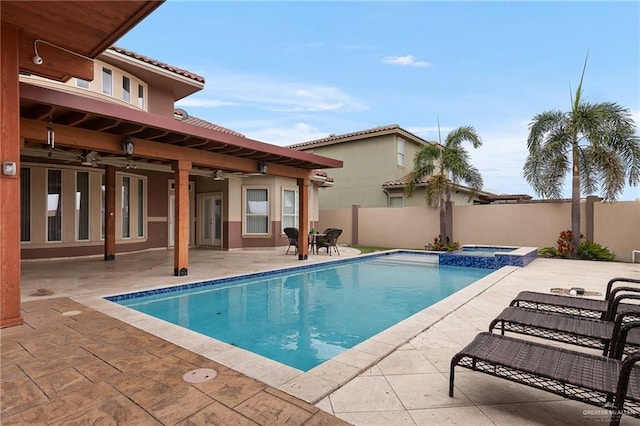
288	72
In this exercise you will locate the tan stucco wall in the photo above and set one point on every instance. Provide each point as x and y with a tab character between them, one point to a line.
616	225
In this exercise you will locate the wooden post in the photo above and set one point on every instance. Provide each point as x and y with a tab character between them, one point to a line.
303	218
181	245
109	213
10	313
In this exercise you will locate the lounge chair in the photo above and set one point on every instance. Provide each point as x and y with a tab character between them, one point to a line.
329	240
292	235
587	332
571	305
593	379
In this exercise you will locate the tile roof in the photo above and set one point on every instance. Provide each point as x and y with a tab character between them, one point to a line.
182	115
404	180
391	128
158	64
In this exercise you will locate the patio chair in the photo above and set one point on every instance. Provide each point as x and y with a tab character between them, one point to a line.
571	305
587	332
593	379
292	235
329	240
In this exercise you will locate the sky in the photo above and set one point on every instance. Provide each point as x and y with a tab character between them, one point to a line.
286	72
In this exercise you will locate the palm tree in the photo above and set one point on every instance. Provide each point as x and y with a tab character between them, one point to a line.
596	142
453	169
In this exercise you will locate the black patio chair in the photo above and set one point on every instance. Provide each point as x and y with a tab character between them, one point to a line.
292	235
593	379
329	240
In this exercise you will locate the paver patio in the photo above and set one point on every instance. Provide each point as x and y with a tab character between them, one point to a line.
71	364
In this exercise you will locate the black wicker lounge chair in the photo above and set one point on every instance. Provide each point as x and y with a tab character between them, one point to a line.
587	332
292	235
571	305
593	379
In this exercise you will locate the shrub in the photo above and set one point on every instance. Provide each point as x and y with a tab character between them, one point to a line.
438	245
587	250
548	252
594	251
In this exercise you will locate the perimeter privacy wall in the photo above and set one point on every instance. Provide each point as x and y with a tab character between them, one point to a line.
538	224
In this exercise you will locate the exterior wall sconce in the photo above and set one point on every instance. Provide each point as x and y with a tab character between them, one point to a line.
262	167
128	146
9	168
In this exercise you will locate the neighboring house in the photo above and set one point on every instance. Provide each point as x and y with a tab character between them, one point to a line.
63	187
376	165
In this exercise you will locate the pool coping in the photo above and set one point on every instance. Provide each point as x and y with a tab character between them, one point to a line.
322	380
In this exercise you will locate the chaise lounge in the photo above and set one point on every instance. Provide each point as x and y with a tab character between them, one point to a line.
571	305
593	379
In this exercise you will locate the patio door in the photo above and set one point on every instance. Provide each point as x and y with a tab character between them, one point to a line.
211	220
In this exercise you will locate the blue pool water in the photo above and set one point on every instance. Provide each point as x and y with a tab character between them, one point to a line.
303	317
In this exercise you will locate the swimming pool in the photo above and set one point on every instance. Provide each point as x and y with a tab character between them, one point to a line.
302	317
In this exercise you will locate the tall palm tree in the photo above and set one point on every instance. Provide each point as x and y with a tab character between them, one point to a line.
596	142
454	168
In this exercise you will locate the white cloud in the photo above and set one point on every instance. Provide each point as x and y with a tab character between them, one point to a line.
203	102
272	94
407	61
282	136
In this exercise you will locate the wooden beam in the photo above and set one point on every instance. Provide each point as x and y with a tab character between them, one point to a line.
303	218
10	313
109	143
181	244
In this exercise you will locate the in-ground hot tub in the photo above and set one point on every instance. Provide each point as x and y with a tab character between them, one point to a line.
486	256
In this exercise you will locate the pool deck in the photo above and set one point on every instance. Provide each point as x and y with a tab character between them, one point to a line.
80	359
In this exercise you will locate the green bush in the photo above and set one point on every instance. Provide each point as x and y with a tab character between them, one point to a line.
594	251
549	252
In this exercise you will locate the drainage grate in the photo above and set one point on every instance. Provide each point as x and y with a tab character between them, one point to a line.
200	375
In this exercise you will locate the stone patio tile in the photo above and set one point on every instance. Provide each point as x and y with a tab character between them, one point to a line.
143	390
370	394
179	405
322	418
483	389
451	416
217	414
308	387
378	418
69	404
56	360
230	387
565	412
417	391
267	409
405	362
97	370
19	394
61	382
117	411
333	371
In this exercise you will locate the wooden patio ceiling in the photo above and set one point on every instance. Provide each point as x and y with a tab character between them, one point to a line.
93	124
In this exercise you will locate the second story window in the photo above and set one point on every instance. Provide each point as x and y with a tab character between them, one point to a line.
126	89
140	96
400	152
82	83
107	82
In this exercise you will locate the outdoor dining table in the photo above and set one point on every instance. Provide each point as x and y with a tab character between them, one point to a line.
313	241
